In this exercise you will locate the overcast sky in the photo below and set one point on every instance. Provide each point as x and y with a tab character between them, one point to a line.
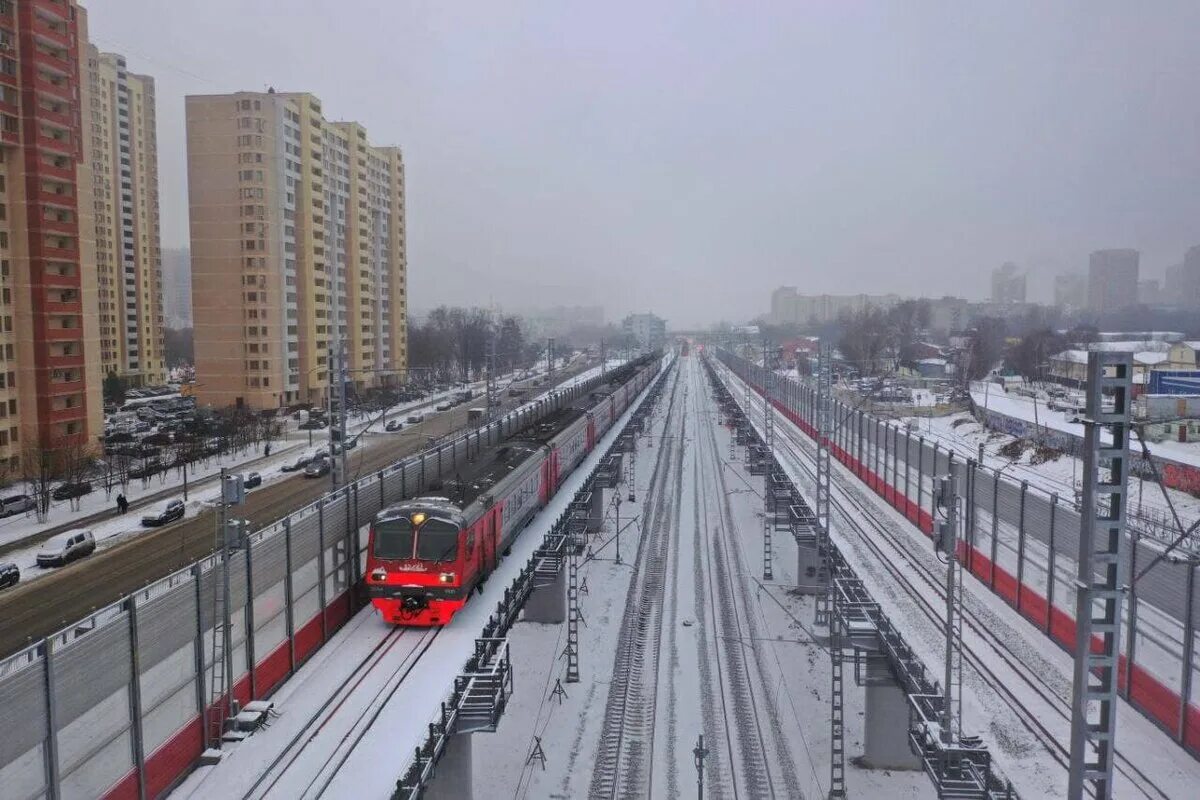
688	157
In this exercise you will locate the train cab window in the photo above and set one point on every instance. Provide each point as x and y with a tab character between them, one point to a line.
437	541
394	539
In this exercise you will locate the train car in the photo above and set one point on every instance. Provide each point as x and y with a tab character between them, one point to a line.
426	555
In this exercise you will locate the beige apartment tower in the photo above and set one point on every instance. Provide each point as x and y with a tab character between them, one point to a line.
124	154
297	226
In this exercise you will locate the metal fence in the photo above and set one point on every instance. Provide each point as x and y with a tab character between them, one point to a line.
113	705
1023	543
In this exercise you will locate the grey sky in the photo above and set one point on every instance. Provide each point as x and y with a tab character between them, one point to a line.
688	157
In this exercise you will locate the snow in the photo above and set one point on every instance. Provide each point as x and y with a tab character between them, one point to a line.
1018	754
403	707
788	672
203	490
990	397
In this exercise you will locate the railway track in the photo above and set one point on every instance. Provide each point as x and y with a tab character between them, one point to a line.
858	513
38	608
759	756
347	715
625	759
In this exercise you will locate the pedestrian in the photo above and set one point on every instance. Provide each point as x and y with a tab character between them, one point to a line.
267	450
122	504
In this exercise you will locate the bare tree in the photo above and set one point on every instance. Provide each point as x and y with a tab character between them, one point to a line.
75	461
40	470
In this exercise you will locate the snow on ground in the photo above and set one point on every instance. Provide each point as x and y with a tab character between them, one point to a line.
203	489
789	674
1061	475
1019	755
993	398
399	710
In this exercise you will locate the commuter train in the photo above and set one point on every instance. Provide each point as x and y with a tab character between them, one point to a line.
427	554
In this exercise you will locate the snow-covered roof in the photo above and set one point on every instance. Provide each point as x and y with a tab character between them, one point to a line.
1149	358
1132	345
1074	356
938	362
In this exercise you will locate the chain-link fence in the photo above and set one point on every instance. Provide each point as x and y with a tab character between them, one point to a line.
1023	543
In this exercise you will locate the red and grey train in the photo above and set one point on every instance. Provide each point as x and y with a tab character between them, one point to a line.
427	554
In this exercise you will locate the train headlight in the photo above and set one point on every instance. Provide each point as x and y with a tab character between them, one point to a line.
446	577
379	575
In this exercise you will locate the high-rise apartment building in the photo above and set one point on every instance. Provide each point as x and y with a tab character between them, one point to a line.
1112	280
1008	285
177	287
648	330
124	153
50	376
1070	290
297	225
788	306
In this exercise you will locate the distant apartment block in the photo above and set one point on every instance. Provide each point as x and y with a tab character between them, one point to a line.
50	359
1070	290
297	226
1112	280
788	306
648	330
1008	284
124	156
177	287
1149	292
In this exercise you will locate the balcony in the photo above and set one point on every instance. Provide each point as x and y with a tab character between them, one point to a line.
54	307
66	173
63	197
64	334
59	91
69	226
74	361
58	388
51	35
77	412
70	253
62	119
10	137
63	145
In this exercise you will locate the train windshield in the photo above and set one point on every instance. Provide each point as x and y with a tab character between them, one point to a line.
394	539
438	541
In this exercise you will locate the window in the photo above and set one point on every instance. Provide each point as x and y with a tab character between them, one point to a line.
437	540
393	539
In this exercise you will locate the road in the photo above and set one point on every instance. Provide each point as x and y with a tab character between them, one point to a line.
35	610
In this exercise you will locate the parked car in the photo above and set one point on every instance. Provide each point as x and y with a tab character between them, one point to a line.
16	504
146	469
317	468
393	425
66	547
445	405
312	425
414	418
252	480
69	491
9	575
164	513
295	466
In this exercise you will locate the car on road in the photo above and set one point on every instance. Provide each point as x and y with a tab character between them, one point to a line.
66	547
414	418
16	504
317	468
10	575
295	466
252	480
445	405
393	425
69	491
163	513
312	425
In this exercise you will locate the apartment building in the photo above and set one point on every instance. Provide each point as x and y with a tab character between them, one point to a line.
297	226
124	155
50	374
